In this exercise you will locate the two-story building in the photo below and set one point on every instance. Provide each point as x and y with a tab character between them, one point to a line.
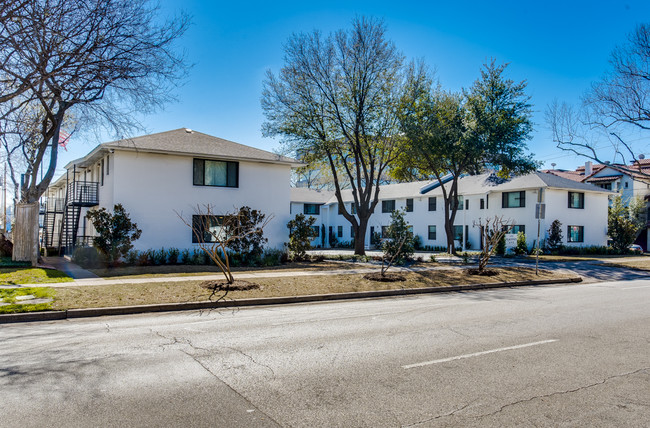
580	207
162	176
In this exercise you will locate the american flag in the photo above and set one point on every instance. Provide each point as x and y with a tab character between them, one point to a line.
64	137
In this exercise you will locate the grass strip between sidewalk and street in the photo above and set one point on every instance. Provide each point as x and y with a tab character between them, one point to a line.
189	291
10	302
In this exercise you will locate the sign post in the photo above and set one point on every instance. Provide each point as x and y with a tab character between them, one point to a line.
540	213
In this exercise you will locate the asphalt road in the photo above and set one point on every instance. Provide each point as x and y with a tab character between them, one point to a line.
573	355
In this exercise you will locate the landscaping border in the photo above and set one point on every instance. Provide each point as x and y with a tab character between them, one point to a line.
264	301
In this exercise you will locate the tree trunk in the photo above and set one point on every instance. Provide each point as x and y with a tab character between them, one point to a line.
360	237
449	231
25	233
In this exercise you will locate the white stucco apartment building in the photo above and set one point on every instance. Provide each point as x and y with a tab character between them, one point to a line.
580	207
159	175
629	181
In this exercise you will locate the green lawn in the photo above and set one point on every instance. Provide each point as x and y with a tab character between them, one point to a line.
29	275
9	295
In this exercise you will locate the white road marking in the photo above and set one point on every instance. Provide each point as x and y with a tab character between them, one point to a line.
476	354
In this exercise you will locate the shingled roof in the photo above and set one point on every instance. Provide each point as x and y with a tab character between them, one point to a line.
185	141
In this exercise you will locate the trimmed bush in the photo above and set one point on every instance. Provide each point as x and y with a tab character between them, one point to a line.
89	258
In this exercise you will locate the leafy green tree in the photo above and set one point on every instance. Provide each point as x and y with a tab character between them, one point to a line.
450	134
522	247
334	103
398	245
554	240
248	234
625	222
301	232
115	232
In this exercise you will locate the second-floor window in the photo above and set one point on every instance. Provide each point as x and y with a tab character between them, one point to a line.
409	205
576	200
388	206
432	204
216	173
311	209
513	199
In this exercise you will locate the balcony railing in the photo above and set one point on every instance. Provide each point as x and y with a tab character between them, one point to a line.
55	205
83	193
84	241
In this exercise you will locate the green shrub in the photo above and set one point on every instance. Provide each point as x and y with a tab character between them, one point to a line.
131	257
301	233
501	247
144	258
521	247
398	247
185	257
417	242
159	257
115	232
89	258
272	257
172	256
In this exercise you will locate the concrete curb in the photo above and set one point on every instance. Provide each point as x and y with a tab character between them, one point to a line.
190	306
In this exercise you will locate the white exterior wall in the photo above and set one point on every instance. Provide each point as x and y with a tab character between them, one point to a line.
154	187
593	217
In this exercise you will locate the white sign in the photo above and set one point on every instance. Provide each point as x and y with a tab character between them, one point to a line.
511	240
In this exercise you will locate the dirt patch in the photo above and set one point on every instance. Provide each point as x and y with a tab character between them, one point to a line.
222	285
189	291
484	272
388	277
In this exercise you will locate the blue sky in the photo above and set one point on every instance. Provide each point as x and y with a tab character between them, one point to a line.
558	47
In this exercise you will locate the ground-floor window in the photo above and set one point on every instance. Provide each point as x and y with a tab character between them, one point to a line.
384	231
432	233
458	233
316	231
576	234
206	228
339	231
518	228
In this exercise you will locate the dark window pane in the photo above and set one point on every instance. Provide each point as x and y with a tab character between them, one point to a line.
388	206
432	233
199	165
233	174
409	205
432	204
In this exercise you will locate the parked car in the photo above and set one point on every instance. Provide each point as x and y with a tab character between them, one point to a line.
635	249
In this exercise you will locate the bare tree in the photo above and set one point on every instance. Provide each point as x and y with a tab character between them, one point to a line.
102	60
613	112
216	233
493	229
335	102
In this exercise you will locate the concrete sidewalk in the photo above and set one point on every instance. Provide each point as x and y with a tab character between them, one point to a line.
67	267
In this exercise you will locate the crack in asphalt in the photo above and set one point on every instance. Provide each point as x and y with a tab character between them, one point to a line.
250	404
176	341
452	413
251	358
570	391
